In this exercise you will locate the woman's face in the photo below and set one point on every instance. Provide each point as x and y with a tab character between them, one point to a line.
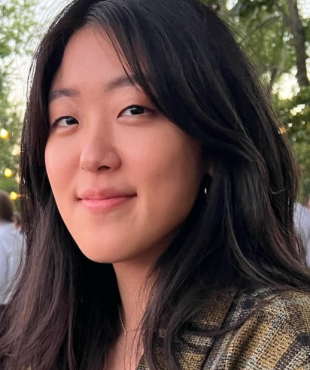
124	177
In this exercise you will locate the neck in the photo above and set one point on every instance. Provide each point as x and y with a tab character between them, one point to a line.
131	281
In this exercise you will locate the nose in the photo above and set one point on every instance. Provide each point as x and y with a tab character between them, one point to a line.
98	152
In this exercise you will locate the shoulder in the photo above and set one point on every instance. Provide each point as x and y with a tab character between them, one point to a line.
284	317
264	303
274	335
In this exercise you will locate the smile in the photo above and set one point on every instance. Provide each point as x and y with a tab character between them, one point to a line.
104	205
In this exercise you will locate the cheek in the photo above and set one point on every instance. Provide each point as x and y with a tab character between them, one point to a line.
59	162
163	153
169	175
171	194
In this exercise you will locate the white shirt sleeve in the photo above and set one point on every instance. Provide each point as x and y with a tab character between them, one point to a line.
10	258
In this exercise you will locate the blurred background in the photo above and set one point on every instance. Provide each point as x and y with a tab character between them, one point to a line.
274	33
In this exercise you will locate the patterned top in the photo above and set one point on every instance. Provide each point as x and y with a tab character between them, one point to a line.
274	337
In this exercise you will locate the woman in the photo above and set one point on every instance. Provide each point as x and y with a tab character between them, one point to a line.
158	201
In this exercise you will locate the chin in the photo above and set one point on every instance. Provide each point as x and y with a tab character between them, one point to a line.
103	254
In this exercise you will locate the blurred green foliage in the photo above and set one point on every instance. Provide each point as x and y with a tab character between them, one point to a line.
16	29
262	27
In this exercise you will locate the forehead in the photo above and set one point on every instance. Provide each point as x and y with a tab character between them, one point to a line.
88	57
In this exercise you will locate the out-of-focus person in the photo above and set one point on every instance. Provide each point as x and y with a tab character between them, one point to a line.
302	222
306	202
17	220
10	247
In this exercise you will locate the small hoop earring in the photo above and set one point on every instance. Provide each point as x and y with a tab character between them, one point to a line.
206	184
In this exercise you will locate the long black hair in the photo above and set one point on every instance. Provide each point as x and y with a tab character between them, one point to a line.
63	314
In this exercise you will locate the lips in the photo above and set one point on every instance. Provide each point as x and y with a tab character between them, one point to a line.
102	194
99	200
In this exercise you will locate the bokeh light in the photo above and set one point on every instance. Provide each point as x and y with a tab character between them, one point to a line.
13	195
8	172
4	134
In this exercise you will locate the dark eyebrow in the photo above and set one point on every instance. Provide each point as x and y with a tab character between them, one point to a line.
118	82
59	93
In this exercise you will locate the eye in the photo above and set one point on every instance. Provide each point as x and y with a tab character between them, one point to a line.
135	110
65	121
